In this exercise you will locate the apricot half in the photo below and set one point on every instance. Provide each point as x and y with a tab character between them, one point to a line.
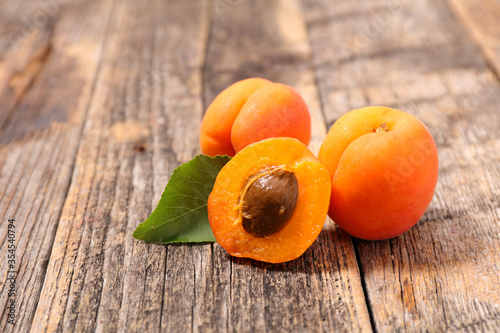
270	201
252	110
383	164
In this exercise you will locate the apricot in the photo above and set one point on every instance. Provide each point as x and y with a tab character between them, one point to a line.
270	201
252	110
383	165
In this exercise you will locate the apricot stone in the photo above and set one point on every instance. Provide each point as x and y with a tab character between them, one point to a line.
383	164
252	110
270	201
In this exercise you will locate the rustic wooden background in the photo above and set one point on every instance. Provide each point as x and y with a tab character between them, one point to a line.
101	99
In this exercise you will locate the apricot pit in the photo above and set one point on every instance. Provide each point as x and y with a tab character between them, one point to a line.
268	202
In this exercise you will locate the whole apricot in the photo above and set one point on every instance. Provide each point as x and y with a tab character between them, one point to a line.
270	201
383	165
252	110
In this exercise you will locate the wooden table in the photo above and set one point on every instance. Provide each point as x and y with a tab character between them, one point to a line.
101	100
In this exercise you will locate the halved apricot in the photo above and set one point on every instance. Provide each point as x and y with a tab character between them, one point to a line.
270	201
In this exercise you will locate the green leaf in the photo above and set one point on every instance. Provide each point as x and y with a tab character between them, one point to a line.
181	214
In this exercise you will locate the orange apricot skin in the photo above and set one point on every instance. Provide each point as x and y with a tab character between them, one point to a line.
276	110
382	182
308	217
252	110
215	133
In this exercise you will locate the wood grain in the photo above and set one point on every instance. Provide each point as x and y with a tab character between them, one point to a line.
45	87
480	18
147	104
443	275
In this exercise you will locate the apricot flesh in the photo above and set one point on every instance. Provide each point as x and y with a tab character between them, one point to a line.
251	110
383	165
290	240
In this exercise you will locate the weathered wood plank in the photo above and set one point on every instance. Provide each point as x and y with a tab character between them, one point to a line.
142	123
45	83
320	291
443	275
26	32
481	19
